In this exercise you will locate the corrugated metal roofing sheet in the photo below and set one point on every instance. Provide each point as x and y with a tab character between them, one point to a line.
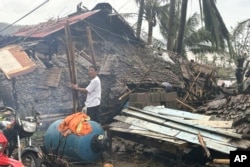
217	138
15	62
44	29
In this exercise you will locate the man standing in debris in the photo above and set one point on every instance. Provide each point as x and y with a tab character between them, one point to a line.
93	91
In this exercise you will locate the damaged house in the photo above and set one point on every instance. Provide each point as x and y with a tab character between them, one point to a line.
99	37
130	71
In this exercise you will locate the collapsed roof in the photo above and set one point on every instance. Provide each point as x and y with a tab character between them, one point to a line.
125	62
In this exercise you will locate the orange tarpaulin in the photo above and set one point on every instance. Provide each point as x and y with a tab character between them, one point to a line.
75	123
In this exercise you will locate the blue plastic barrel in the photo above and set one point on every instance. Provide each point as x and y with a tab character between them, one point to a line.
75	148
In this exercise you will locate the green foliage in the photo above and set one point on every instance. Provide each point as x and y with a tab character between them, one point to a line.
241	38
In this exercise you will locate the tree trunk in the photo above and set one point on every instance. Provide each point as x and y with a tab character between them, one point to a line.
171	26
182	26
140	18
150	33
239	74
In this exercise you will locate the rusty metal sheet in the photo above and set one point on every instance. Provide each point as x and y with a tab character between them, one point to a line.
44	29
15	62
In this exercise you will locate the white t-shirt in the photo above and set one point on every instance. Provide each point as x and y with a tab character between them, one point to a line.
94	93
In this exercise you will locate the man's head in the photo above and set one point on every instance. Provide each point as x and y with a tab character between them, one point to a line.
92	71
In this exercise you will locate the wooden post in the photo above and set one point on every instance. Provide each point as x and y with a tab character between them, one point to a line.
126	94
91	46
203	144
186	105
71	64
221	161
185	98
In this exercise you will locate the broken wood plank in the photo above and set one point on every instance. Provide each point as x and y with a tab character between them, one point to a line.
185	105
186	96
215	124
222	161
203	144
126	94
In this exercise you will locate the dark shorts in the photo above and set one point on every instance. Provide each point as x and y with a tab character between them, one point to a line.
93	112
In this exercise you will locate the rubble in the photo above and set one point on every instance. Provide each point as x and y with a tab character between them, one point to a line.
132	74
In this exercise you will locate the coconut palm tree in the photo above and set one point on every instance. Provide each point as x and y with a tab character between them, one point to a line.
210	38
241	45
196	40
171	25
241	37
151	9
216	26
182	26
140	17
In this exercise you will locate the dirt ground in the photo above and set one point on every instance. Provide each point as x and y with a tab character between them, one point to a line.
120	156
126	153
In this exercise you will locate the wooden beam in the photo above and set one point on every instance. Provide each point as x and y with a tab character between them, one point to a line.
91	46
185	98
186	105
210	123
203	144
71	64
126	94
222	161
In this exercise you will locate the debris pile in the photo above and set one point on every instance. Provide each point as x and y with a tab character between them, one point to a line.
177	131
232	108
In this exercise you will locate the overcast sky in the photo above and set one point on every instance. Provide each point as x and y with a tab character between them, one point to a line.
232	11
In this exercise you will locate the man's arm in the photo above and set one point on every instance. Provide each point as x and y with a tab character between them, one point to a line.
76	87
82	90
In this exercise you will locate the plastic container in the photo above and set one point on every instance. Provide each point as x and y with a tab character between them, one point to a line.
86	148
